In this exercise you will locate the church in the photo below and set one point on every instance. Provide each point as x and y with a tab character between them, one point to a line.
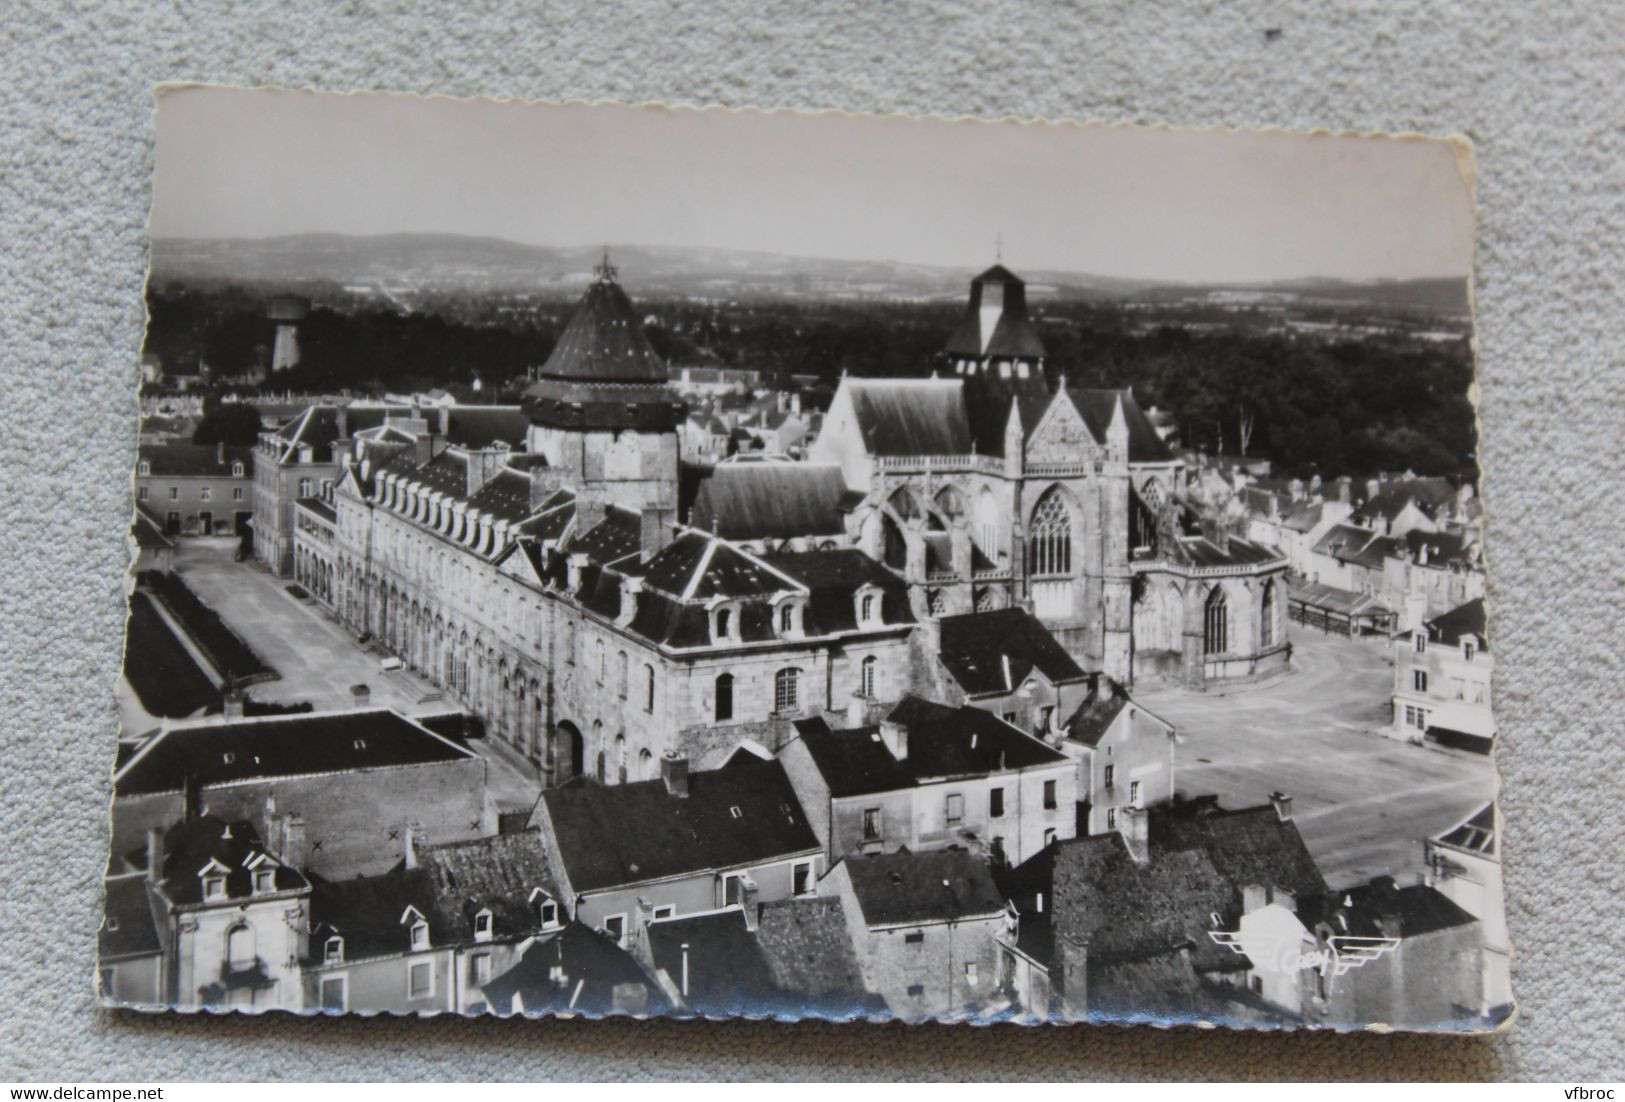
986	486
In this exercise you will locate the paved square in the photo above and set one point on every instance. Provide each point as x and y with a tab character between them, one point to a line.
1364	802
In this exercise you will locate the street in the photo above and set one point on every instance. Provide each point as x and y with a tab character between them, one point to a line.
1363	802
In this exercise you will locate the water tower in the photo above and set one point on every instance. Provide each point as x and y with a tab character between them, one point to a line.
286	312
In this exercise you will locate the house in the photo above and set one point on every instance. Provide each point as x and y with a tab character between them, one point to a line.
1004	661
574	970
926	929
336	790
685	843
429	934
930	776
199	917
1125	756
790	958
197	489
1407	957
1442	674
1465	863
1117	926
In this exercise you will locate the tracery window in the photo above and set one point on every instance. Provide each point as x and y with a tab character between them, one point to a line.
1266	634
1049	544
1216	633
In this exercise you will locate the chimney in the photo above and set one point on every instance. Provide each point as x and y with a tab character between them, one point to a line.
1104	689
220	453
573	566
232	703
155	854
857	710
630	588
482	466
409	846
674	771
895	736
1282	803
1135	826
423	448
1253	896
342	415
590	509
544	483
653	532
749	894
1342	488
190	803
295	850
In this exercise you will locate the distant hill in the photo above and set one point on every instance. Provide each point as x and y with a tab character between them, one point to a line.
419	262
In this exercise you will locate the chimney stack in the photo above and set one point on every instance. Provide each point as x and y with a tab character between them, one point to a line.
630	588
674	772
409	846
1282	803
544	483
482	466
590	509
220	453
653	532
895	736
574	564
423	448
190	800
155	854
857	710
232	704
748	902
1134	823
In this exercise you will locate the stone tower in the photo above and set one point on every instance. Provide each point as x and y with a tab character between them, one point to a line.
601	410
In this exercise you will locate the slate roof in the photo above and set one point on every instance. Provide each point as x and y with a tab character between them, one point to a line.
482	426
1331	598
608	836
367	913
1448	548
1202	551
505	496
911	416
1013	336
191	844
320	507
942	742
581	957
833	577
1343	541
1095	716
281	746
1460	622
1383	909
728	973
748	501
1248	846
976	645
128	926
903	888
175	459
498	873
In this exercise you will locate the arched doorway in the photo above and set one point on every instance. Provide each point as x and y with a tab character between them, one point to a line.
566	751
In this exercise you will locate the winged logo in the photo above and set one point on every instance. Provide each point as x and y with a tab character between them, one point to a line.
1342	953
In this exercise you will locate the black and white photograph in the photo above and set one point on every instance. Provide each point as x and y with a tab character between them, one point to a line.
597	560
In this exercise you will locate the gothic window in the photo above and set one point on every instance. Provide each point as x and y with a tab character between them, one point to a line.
1049	541
987	599
935	603
866	677
904	505
1267	613
1216	634
1152	493
787	690
725	696
895	553
951	503
987	524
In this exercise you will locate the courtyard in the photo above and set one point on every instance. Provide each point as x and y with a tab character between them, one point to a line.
1364	802
320	660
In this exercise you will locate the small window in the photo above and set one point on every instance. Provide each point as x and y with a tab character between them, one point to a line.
237	469
972	973
420	979
1469	648
1049	795
1111	818
1419	680
649	689
174	493
867	608
787	690
801	878
236	493
548	914
333	951
482	926
995	804
666	910
214	887
916	990
787	619
735	813
1109	775
867	685
615	927
335	994
420	934
1049	837
914	937
205	493
146	468
141	493
954	809
725	696
1421	642
265	880
733	886
871	824
1134	793
724	624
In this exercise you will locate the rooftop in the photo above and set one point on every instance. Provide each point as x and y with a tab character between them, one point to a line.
903	888
748	501
1461	622
993	652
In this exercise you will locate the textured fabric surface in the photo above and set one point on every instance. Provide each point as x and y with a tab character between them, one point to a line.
1538	87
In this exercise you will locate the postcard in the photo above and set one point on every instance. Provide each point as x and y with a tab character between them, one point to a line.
596	559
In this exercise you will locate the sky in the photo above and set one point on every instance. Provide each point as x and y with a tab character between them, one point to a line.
1148	203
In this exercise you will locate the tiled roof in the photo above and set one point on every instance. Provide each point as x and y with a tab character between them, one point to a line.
1248	846
149	532
281	746
747	501
979	648
497	873
903	888
367	912
744	814
942	742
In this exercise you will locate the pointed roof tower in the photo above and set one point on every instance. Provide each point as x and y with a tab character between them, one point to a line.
996	349
603	373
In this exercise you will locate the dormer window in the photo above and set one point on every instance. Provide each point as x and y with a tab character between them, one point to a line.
788	618
725	624
333	951
237	469
214	886
420	934
482	925
264	880
1469	648
869	607
145	468
547	910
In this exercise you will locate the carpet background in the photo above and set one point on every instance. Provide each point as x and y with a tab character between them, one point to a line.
1537	87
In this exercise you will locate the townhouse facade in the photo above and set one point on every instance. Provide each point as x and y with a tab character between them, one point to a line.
195	489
